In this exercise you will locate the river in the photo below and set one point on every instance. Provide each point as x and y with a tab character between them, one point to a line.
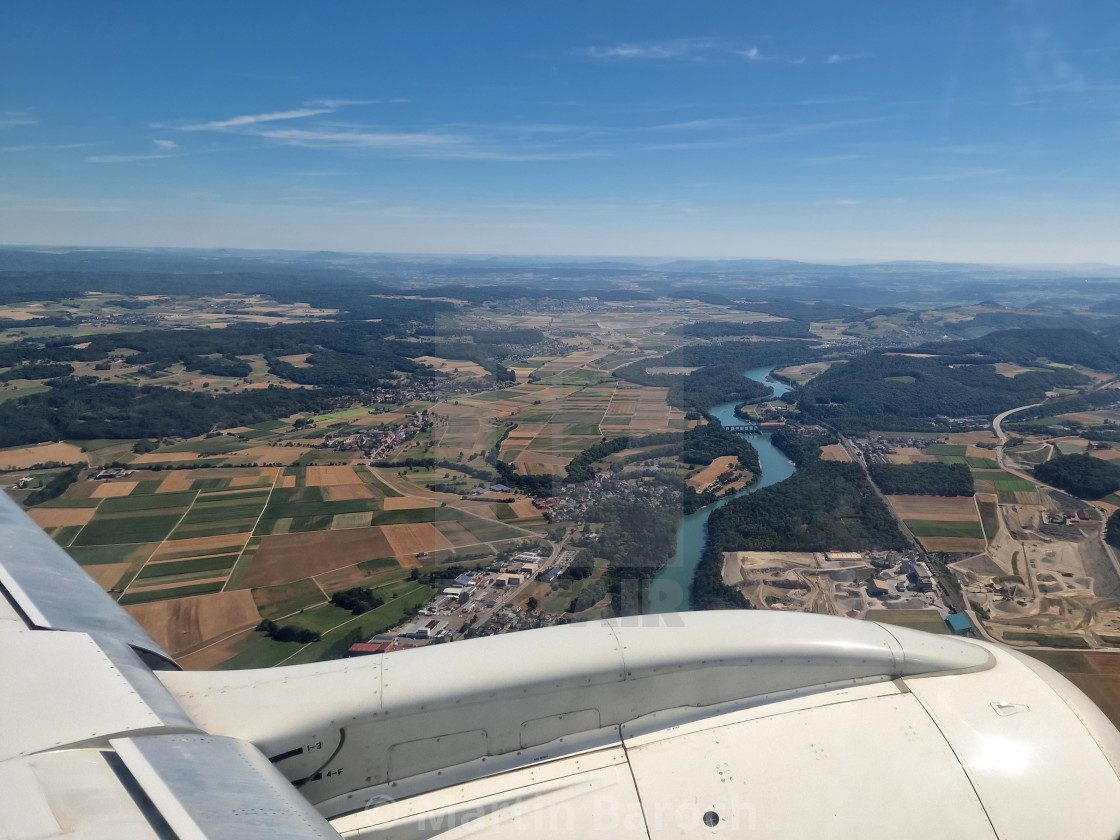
669	590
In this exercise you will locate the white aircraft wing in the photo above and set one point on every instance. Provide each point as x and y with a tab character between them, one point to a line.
744	724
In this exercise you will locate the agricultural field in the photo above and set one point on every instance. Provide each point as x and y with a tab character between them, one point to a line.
942	523
1097	674
27	457
567	407
198	555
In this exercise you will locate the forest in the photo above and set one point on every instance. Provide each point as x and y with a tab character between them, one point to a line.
824	505
1082	475
719	377
923	479
88	412
637	539
892	391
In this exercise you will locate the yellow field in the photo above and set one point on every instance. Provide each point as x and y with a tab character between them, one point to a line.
943	508
185	623
412	539
113	489
107	575
835	452
26	457
61	517
331	476
710	473
176	482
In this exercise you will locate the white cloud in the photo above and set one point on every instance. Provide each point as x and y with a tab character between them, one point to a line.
166	144
11	119
250	119
124	158
684	49
362	139
840	58
35	148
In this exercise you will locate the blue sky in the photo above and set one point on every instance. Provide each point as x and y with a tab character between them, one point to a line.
982	131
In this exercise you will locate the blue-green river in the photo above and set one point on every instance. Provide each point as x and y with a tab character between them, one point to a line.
669	591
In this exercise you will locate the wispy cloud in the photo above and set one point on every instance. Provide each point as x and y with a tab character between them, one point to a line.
682	49
125	158
166	144
12	119
840	58
36	148
1043	66
248	120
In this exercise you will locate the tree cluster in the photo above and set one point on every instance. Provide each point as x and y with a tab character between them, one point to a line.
1082	475
357	599
923	479
288	632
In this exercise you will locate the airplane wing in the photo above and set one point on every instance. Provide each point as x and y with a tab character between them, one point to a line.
699	725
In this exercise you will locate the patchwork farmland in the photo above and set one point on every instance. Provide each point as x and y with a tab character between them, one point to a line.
203	555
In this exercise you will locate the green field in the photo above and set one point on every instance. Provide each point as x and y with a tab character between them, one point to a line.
135	529
485	531
982	463
989	518
415	515
927	620
1004	481
157	501
220	562
1047	639
258	651
940	528
174	592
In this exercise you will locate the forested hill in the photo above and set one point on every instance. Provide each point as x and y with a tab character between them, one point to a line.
719	375
1032	346
1082	475
824	505
909	389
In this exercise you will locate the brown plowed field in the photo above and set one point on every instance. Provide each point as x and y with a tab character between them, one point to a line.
61	517
270	454
201	546
412	539
107	575
346	492
331	476
185	623
157	458
176	482
407	503
944	508
457	534
525	509
112	489
835	452
915	456
283	558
